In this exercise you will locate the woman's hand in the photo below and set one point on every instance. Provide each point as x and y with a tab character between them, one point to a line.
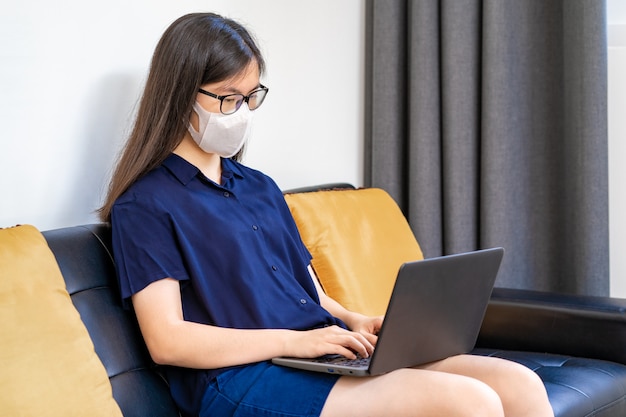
369	327
328	340
366	325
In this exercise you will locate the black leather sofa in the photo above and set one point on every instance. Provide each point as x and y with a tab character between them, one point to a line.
576	344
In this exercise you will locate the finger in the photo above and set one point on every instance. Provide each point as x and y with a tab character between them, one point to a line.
349	343
371	338
345	352
378	323
361	345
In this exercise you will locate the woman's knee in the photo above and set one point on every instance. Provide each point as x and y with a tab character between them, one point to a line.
409	392
527	396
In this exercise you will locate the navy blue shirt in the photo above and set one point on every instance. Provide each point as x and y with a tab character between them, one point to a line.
234	248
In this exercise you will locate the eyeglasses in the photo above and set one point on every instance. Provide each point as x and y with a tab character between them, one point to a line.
230	103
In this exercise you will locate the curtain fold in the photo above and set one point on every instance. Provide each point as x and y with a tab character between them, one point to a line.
486	120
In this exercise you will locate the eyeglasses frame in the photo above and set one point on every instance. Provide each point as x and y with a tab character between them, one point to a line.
245	98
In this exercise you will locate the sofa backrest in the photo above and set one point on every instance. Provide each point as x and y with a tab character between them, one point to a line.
84	257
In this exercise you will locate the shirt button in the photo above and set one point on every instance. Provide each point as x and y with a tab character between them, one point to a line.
255	227
302	301
274	268
226	194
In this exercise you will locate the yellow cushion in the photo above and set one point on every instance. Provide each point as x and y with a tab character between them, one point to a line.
48	366
358	239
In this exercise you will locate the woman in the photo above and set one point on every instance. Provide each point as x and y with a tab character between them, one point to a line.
219	279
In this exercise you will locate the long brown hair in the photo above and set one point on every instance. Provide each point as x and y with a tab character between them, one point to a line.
196	49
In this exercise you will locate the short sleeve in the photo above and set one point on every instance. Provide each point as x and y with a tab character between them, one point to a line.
144	244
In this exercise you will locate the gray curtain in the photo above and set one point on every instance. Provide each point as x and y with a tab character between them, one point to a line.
486	120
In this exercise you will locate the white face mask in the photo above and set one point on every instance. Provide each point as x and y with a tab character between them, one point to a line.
221	134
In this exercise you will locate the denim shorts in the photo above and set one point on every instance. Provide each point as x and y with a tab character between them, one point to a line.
264	389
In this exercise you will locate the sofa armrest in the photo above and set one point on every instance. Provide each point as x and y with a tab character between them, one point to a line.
585	326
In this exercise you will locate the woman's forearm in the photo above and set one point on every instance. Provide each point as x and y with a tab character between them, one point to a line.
194	345
173	341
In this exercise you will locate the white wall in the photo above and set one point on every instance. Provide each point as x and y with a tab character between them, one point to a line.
71	76
616	10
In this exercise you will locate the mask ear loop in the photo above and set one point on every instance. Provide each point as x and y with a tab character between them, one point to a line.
203	116
203	121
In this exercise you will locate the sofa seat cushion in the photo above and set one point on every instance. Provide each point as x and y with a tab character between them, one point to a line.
358	240
49	366
576	386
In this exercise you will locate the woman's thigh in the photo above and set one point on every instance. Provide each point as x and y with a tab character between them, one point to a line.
457	386
520	389
412	392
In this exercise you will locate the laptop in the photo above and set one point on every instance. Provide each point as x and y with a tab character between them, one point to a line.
435	311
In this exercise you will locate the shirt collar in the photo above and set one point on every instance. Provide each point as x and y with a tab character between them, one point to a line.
185	171
231	169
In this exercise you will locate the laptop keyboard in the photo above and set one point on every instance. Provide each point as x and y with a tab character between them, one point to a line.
342	360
